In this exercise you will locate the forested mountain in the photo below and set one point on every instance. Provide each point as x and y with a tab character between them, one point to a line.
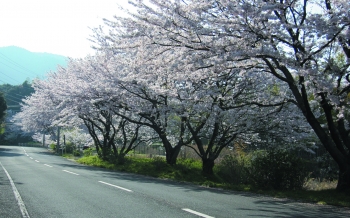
15	93
18	64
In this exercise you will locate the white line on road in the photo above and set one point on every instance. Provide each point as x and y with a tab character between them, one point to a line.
20	202
37	161
70	172
197	213
47	165
128	190
31	158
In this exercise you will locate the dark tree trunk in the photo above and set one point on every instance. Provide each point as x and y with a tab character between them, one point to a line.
207	167
344	178
171	154
121	158
105	151
330	137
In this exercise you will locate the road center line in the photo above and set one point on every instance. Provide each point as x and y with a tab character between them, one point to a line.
70	172
47	165
20	202
31	158
37	161
128	190
197	213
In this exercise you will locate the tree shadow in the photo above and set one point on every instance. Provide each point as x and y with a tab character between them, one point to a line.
7	152
287	208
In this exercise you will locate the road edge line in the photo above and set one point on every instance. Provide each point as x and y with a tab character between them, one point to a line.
20	202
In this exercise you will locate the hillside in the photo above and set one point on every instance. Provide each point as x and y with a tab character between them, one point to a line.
18	64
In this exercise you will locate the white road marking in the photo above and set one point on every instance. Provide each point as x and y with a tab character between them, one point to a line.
70	172
37	161
197	213
47	165
31	158
128	190
20	202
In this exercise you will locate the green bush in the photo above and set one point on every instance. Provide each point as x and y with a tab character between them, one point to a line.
326	168
76	153
87	152
234	169
53	146
159	163
70	148
277	169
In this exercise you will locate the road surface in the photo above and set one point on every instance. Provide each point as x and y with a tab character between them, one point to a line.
35	183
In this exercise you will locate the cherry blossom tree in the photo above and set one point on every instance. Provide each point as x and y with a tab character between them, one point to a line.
293	41
88	92
77	136
85	95
37	112
157	111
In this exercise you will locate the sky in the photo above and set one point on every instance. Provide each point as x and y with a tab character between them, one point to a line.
54	26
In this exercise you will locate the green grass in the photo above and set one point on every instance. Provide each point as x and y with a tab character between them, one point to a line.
96	162
189	170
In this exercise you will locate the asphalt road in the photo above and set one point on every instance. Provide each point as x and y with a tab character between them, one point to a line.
50	186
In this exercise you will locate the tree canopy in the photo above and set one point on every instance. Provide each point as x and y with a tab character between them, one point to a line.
3	107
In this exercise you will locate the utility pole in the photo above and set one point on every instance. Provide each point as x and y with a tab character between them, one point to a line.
64	143
58	140
44	139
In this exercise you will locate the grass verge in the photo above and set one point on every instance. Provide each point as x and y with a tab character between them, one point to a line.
189	170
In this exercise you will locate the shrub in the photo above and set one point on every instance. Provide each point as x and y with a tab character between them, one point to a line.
53	146
69	148
76	153
87	152
327	168
277	169
159	162
233	168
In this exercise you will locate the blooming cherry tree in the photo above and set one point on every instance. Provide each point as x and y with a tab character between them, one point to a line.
292	41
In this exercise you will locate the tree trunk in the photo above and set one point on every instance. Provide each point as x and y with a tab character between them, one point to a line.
104	154
207	167
171	154
121	158
344	178
330	138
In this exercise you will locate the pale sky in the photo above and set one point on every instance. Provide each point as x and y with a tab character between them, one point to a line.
54	26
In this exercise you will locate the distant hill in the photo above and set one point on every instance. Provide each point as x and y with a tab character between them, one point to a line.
18	64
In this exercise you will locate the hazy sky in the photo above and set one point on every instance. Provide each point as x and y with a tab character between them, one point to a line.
53	26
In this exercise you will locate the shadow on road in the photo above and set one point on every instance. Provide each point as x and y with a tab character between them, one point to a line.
7	152
272	207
